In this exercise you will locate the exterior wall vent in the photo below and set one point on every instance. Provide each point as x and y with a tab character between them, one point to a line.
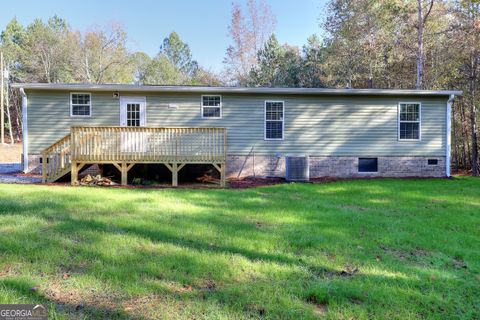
297	168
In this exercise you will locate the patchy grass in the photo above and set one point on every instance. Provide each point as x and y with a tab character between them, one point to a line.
396	249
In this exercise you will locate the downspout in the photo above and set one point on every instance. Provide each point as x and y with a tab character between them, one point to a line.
448	137
24	130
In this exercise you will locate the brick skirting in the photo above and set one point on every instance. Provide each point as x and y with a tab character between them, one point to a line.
341	167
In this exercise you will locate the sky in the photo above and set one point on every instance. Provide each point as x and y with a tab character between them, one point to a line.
203	24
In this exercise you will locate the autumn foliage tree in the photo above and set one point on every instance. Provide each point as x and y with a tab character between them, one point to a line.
249	29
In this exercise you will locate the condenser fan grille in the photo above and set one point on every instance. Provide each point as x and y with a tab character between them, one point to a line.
297	168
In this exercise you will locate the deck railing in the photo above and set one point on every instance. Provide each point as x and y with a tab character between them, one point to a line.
56	159
148	145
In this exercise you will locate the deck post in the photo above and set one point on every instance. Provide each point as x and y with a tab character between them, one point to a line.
174	174
221	169
124	174
222	175
74	173
44	168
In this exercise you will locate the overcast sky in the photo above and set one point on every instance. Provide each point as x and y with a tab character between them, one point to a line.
202	24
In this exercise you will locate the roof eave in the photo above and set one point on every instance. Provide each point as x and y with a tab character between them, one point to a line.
198	89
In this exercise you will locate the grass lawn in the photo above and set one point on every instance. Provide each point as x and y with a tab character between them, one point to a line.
386	249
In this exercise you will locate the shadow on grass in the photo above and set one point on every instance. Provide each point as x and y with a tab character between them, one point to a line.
258	253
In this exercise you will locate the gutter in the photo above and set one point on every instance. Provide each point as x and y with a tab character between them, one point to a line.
448	137
231	90
24	130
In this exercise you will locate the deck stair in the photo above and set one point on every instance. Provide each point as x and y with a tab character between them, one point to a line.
56	160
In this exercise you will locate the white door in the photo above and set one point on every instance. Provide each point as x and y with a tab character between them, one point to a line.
133	114
132	111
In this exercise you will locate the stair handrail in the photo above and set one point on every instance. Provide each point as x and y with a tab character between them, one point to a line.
56	157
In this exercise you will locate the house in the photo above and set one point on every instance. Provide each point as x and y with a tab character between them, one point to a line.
240	131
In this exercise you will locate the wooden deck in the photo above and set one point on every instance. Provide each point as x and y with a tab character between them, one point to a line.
126	146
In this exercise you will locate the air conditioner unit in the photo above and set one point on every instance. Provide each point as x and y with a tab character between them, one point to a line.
297	168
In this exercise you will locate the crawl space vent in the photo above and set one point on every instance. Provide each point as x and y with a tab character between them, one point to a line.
297	168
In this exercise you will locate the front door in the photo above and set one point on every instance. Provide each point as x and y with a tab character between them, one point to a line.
133	114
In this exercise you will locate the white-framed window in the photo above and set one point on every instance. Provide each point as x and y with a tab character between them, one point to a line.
274	124
211	106
409	121
80	104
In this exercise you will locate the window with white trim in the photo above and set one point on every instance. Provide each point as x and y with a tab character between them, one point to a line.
274	120
409	121
80	105
211	107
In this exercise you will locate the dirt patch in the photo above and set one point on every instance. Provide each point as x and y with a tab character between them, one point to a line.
11	153
8	270
458	263
150	307
251	182
320	308
210	285
82	302
405	254
348	271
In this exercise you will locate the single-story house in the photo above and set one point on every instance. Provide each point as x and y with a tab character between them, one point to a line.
240	131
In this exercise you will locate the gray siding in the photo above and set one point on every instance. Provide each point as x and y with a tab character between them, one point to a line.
315	125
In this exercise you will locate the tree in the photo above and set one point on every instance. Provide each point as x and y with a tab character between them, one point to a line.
104	57
206	77
178	52
141	61
277	66
46	54
12	44
422	14
249	31
162	71
313	69
268	64
467	15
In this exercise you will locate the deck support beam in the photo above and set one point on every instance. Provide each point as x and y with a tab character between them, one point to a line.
124	174
74	174
44	168
76	167
124	168
175	168
221	169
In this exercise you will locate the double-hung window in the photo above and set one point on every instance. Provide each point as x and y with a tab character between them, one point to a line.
409	121
212	107
80	105
274	113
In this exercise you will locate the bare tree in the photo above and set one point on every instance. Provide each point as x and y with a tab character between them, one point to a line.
249	30
422	20
104	57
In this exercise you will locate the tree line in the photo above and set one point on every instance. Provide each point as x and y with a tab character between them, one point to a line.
423	44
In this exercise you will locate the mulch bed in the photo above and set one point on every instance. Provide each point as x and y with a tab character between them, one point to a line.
251	182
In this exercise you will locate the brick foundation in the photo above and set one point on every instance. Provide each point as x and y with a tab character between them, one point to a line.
342	167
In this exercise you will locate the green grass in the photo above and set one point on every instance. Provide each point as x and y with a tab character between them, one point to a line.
386	249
